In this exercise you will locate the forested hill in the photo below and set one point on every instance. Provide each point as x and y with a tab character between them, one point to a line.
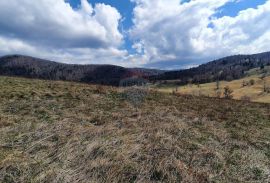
30	67
228	68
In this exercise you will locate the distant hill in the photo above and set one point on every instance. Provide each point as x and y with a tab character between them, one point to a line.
228	68
30	67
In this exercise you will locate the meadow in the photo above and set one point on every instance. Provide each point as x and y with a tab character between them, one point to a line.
54	131
253	92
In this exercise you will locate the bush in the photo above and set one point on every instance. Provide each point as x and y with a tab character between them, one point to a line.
228	92
244	83
252	82
267	89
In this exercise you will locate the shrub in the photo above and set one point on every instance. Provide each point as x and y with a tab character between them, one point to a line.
267	89
252	82
244	83
175	91
228	92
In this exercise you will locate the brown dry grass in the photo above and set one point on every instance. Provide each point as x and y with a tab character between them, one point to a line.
254	92
68	132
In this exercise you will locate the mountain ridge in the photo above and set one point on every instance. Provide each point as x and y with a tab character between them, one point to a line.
31	67
227	68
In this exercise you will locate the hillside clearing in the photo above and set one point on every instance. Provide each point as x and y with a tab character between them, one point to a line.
70	132
254	92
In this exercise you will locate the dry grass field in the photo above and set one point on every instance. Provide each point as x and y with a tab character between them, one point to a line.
69	132
254	92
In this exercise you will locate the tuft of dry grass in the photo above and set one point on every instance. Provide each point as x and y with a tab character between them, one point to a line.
70	132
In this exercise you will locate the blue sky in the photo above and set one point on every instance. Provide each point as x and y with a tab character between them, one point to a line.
233	8
164	34
125	7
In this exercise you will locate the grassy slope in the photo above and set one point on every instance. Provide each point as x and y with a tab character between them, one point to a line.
255	92
68	132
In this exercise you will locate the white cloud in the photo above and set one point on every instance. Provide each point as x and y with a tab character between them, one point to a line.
86	7
52	29
171	30
67	55
248	32
13	45
55	23
164	31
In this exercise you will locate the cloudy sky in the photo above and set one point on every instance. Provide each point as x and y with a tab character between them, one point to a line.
165	34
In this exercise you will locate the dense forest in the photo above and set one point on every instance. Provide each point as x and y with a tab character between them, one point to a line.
228	68
24	66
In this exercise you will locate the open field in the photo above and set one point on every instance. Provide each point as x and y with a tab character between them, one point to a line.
254	92
70	132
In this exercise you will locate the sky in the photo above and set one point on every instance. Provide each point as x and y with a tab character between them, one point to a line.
162	34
